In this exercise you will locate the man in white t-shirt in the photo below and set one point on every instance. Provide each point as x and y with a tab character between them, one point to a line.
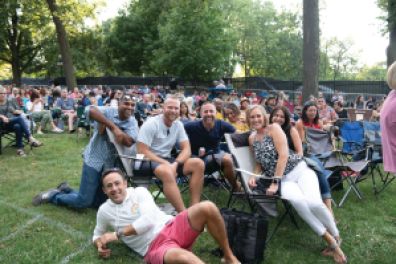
137	221
157	137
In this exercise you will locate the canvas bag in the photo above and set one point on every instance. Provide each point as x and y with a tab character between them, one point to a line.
247	234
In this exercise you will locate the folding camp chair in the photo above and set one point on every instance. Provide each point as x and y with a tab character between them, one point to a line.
321	145
352	160
372	137
244	163
131	163
127	162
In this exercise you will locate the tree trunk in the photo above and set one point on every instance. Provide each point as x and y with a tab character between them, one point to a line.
64	47
391	49
14	42
310	48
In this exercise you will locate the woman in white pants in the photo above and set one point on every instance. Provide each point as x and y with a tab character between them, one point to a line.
299	183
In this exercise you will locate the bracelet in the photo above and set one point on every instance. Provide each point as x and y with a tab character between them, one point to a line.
119	233
276	180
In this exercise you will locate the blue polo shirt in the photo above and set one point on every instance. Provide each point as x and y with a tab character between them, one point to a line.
210	140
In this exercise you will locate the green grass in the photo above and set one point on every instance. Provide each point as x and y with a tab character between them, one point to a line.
50	234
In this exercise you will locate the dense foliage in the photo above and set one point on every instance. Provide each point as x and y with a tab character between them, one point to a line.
191	39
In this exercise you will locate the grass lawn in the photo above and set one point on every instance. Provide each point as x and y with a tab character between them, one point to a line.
50	234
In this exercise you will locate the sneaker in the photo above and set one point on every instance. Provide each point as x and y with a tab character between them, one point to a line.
35	143
57	130
21	153
40	132
64	187
44	197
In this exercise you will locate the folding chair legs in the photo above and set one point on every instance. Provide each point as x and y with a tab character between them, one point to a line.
288	211
352	187
385	180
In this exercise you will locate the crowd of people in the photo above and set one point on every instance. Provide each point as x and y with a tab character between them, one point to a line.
152	123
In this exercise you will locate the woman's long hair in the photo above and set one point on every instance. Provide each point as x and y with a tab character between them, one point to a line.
304	116
286	125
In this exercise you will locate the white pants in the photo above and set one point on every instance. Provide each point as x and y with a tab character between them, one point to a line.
301	188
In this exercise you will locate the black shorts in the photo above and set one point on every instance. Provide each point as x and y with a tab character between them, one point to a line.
147	167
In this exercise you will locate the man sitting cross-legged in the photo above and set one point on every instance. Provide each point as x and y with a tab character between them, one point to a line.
207	133
142	226
157	137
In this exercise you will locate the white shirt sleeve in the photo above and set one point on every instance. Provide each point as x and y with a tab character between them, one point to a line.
101	224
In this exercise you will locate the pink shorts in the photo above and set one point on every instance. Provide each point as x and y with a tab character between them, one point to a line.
178	233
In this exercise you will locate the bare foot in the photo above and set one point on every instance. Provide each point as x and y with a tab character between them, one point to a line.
339	256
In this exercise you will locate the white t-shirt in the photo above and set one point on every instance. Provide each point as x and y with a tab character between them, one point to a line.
160	138
137	206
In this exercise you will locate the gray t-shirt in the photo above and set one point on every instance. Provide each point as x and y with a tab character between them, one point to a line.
7	109
160	138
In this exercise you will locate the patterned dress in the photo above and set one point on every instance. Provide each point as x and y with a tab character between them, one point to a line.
266	154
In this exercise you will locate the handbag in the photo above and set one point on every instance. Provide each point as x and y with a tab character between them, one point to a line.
247	234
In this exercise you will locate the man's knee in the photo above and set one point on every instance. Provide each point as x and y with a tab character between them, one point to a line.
208	208
16	127
193	164
165	174
227	161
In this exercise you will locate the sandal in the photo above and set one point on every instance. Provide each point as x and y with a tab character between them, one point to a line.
335	251
329	251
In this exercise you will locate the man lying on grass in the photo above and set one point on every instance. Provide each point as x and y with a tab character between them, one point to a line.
142	226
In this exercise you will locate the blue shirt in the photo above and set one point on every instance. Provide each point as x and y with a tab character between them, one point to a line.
210	140
100	152
65	104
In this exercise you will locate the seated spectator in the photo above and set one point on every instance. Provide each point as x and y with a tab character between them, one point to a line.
281	116
158	136
11	120
309	118
144	107
98	155
207	133
36	108
66	104
340	110
270	103
184	112
245	104
219	108
134	218
232	114
297	113
76	95
326	113
299	184
359	102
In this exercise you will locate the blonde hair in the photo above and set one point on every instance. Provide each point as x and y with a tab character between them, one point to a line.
391	76
261	109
